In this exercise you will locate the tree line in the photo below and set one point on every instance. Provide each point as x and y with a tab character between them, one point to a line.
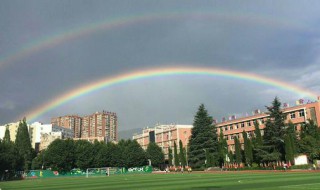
281	142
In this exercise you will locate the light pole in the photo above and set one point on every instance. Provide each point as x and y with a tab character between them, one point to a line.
205	153
187	154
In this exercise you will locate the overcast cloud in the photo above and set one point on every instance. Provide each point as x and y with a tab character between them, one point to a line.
275	39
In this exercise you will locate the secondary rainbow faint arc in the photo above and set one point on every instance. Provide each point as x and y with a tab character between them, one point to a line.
161	72
53	40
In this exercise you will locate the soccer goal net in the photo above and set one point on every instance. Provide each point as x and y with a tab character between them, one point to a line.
104	171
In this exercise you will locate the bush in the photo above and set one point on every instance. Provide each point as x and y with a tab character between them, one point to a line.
301	167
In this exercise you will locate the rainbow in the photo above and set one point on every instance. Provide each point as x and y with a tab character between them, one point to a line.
54	40
161	72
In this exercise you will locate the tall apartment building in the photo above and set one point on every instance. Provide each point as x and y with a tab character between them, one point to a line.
298	115
100	124
165	136
72	122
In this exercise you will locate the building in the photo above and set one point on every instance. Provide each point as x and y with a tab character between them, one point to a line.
13	129
72	122
298	115
48	138
100	124
164	136
37	132
36	129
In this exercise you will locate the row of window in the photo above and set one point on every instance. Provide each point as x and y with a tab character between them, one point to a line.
300	113
250	123
241	125
239	135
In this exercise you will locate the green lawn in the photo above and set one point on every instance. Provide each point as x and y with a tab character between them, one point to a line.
201	181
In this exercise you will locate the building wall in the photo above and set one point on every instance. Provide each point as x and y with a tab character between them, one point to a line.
70	122
48	138
13	129
100	124
298	115
165	136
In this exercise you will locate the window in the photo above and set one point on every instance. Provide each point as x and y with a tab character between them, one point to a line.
249	123
231	128
292	115
301	113
242	125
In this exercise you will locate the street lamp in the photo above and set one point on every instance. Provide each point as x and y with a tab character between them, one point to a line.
205	162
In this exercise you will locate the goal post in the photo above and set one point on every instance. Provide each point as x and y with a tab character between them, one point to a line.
104	171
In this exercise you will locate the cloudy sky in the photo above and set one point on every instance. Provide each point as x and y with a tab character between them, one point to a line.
48	48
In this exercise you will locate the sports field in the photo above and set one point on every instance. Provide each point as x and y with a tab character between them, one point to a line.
201	181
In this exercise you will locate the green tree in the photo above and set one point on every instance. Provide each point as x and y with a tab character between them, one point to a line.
203	137
257	140
309	142
223	149
84	154
60	155
135	155
155	154
237	147
175	154
170	156
247	149
6	137
182	154
288	149
23	145
273	140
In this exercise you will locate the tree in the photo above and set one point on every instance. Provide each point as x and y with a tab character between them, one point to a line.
175	154
309	142
23	144
237	150
6	138
273	140
182	154
247	149
223	149
257	140
170	157
84	154
60	155
203	137
155	154
288	149
135	155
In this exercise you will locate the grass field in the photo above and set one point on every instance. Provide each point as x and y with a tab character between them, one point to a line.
201	181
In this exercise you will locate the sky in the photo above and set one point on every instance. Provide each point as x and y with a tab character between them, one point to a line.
49	48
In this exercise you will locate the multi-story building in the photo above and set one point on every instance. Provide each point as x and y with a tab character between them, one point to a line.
38	130
100	124
298	115
72	122
165	136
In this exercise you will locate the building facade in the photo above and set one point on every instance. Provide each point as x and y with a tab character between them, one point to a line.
100	124
13	129
72	122
164	136
298	115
